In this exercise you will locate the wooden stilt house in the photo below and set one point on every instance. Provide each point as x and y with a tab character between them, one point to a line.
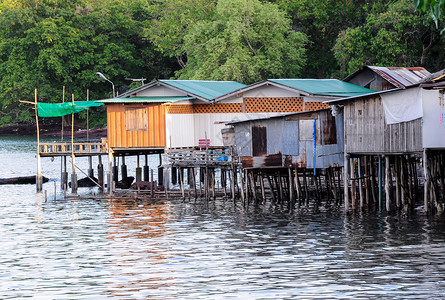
388	135
311	139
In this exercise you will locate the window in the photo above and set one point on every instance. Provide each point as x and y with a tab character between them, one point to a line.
259	141
136	119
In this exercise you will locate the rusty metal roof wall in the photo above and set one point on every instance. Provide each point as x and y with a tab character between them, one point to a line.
401	76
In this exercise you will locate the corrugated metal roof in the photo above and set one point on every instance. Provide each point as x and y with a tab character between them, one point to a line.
145	99
326	87
206	89
397	76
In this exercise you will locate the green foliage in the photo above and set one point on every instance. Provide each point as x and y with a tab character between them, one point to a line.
51	44
247	41
395	37
435	7
172	20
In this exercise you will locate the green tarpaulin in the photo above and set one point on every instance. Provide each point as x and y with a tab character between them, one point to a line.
63	109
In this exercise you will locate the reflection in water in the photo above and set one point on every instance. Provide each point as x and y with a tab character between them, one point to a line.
137	231
92	249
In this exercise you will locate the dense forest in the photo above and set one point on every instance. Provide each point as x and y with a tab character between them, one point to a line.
48	44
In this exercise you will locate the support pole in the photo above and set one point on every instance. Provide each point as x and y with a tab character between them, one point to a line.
387	184
39	181
73	158
427	183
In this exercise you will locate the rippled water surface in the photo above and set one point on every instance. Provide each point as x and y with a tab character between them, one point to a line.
95	249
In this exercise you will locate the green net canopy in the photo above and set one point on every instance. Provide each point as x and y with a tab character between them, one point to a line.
63	109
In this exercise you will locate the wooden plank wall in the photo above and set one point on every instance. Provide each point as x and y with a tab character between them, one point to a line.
366	130
119	137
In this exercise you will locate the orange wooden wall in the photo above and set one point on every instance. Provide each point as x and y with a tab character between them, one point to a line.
153	136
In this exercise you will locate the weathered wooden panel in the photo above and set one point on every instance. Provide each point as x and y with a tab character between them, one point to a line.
329	129
367	132
126	125
259	140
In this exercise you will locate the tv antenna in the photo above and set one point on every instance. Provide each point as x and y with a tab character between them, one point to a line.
141	80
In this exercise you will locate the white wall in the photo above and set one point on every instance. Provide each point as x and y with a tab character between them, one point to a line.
433	127
160	91
180	130
185	130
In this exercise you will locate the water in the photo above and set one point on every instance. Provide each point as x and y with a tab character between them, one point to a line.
88	249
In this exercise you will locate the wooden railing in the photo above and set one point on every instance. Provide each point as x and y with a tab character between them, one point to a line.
87	148
193	156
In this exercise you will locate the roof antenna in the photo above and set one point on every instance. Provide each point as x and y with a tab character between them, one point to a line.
141	80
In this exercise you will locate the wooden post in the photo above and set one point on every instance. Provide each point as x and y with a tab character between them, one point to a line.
243	199
398	167
62	174
366	180
110	172
181	181
253	186
124	168
306	192
263	191
298	185
353	186
73	160
387	184
291	189
269	181
152	184
100	172
360	183
232	183
39	181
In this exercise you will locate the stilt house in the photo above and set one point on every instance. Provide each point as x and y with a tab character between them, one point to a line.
181	113
299	140
166	113
404	126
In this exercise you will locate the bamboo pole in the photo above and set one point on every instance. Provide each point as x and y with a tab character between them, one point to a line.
39	167
61	139
73	160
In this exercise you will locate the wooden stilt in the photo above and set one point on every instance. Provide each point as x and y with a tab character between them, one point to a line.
346	182
243	198
387	184
353	186
360	183
291	189
397	174
263	191
269	181
306	190
298	185
181	181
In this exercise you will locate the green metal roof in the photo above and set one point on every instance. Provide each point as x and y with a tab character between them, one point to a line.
145	99
206	89
326	87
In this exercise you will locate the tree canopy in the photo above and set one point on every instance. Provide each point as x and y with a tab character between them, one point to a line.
246	41
48	44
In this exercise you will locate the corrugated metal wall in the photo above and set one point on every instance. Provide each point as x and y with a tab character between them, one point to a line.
120	137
